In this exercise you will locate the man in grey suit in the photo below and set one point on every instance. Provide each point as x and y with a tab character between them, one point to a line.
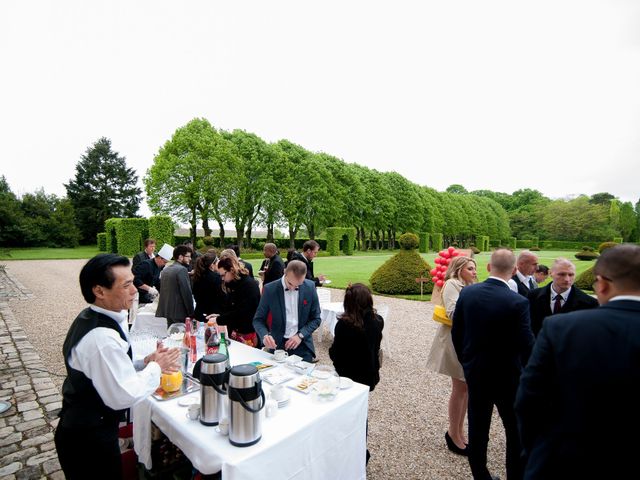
295	310
176	299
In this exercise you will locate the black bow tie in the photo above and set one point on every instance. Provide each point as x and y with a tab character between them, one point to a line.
290	289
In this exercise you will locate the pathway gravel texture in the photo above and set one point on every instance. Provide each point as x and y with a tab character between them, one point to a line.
407	410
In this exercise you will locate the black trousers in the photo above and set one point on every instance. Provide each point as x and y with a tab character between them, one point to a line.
89	452
482	398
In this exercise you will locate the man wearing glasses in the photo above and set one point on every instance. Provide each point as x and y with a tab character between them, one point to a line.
577	404
293	303
176	299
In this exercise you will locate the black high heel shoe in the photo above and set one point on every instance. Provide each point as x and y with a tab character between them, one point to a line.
454	448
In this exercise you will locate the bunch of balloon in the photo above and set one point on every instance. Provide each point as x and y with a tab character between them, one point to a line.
438	272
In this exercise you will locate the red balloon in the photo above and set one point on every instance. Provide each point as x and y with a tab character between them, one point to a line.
441	253
434	279
440	283
446	255
447	261
433	271
455	253
440	274
436	260
451	249
442	268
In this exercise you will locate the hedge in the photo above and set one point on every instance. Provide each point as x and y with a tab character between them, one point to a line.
424	242
566	245
161	229
437	241
130	234
102	242
256	243
528	243
335	237
110	229
513	241
482	243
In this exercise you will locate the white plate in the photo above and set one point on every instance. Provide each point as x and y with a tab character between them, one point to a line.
345	383
326	282
280	361
283	402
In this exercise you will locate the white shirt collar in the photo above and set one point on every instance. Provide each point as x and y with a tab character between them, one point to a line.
523	278
564	294
122	317
501	279
635	298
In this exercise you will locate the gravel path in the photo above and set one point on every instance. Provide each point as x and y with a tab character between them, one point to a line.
407	411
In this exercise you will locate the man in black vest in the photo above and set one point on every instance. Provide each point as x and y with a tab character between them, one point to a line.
102	381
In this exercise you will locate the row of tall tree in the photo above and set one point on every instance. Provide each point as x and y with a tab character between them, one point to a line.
210	176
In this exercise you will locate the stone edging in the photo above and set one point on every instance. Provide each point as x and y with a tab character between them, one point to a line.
27	449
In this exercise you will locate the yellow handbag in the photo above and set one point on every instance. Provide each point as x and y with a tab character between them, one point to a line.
440	315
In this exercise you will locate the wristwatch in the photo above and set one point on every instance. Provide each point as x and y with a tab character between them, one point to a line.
300	335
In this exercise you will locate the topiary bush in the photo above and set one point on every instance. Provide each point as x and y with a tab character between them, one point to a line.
605	245
587	253
208	241
474	249
585	279
161	228
398	274
102	242
408	241
437	241
424	242
535	249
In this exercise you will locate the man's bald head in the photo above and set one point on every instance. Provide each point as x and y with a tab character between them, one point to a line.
502	263
563	273
617	272
527	262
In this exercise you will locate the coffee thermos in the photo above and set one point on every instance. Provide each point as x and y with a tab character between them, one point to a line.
246	399
214	372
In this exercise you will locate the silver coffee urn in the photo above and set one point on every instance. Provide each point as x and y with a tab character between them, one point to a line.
214	372
246	399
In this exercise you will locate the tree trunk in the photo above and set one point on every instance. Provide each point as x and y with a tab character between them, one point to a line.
292	237
378	239
194	226
270	232
312	232
247	235
221	227
239	236
205	226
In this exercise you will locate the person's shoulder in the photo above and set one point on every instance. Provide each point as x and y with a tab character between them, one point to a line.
584	297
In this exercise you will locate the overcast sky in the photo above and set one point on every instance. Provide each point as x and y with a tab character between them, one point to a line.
497	95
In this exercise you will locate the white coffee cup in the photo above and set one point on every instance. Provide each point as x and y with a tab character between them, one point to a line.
278	392
280	355
194	411
271	408
223	426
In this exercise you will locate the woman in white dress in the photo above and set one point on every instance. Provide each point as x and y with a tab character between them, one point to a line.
442	357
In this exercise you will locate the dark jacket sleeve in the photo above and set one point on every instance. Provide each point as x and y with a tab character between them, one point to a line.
245	297
525	335
457	327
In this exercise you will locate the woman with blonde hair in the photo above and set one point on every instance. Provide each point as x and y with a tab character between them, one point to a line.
442	357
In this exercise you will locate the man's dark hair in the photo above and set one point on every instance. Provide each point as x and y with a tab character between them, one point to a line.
235	248
181	250
99	271
149	241
310	245
542	269
620	264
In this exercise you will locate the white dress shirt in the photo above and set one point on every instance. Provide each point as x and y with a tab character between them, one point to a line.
525	279
291	308
102	356
564	296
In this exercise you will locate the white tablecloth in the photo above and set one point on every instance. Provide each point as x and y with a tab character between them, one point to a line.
146	321
305	440
329	313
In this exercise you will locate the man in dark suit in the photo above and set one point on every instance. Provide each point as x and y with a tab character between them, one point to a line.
272	267
176	298
146	254
492	337
577	404
310	250
560	296
527	264
295	309
147	274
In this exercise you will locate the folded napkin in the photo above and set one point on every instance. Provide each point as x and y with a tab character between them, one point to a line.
142	432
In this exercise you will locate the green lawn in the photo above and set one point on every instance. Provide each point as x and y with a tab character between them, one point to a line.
48	253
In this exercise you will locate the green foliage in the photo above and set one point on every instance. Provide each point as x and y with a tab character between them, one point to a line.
110	230
408	241
585	280
398	274
618	239
161	228
102	242
437	241
587	253
604	245
535	249
103	187
482	243
513	242
424	242
208	241
131	233
337	236
565	245
10	218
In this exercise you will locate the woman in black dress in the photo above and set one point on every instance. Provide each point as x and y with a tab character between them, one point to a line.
356	346
243	296
207	286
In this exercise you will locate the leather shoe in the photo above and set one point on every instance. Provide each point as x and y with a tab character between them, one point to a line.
454	448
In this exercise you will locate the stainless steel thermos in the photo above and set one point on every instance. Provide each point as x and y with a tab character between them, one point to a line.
246	399
214	372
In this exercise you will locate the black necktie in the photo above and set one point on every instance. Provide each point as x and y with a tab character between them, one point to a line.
531	285
558	304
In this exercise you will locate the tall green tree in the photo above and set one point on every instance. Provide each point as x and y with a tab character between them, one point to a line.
627	222
193	175
103	187
49	221
11	220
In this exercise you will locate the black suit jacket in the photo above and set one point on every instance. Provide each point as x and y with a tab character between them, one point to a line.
522	288
146	273
491	332
274	271
540	304
577	404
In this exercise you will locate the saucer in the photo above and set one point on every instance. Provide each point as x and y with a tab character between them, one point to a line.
280	361
186	401
283	402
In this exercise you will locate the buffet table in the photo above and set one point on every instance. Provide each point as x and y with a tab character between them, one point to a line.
305	440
